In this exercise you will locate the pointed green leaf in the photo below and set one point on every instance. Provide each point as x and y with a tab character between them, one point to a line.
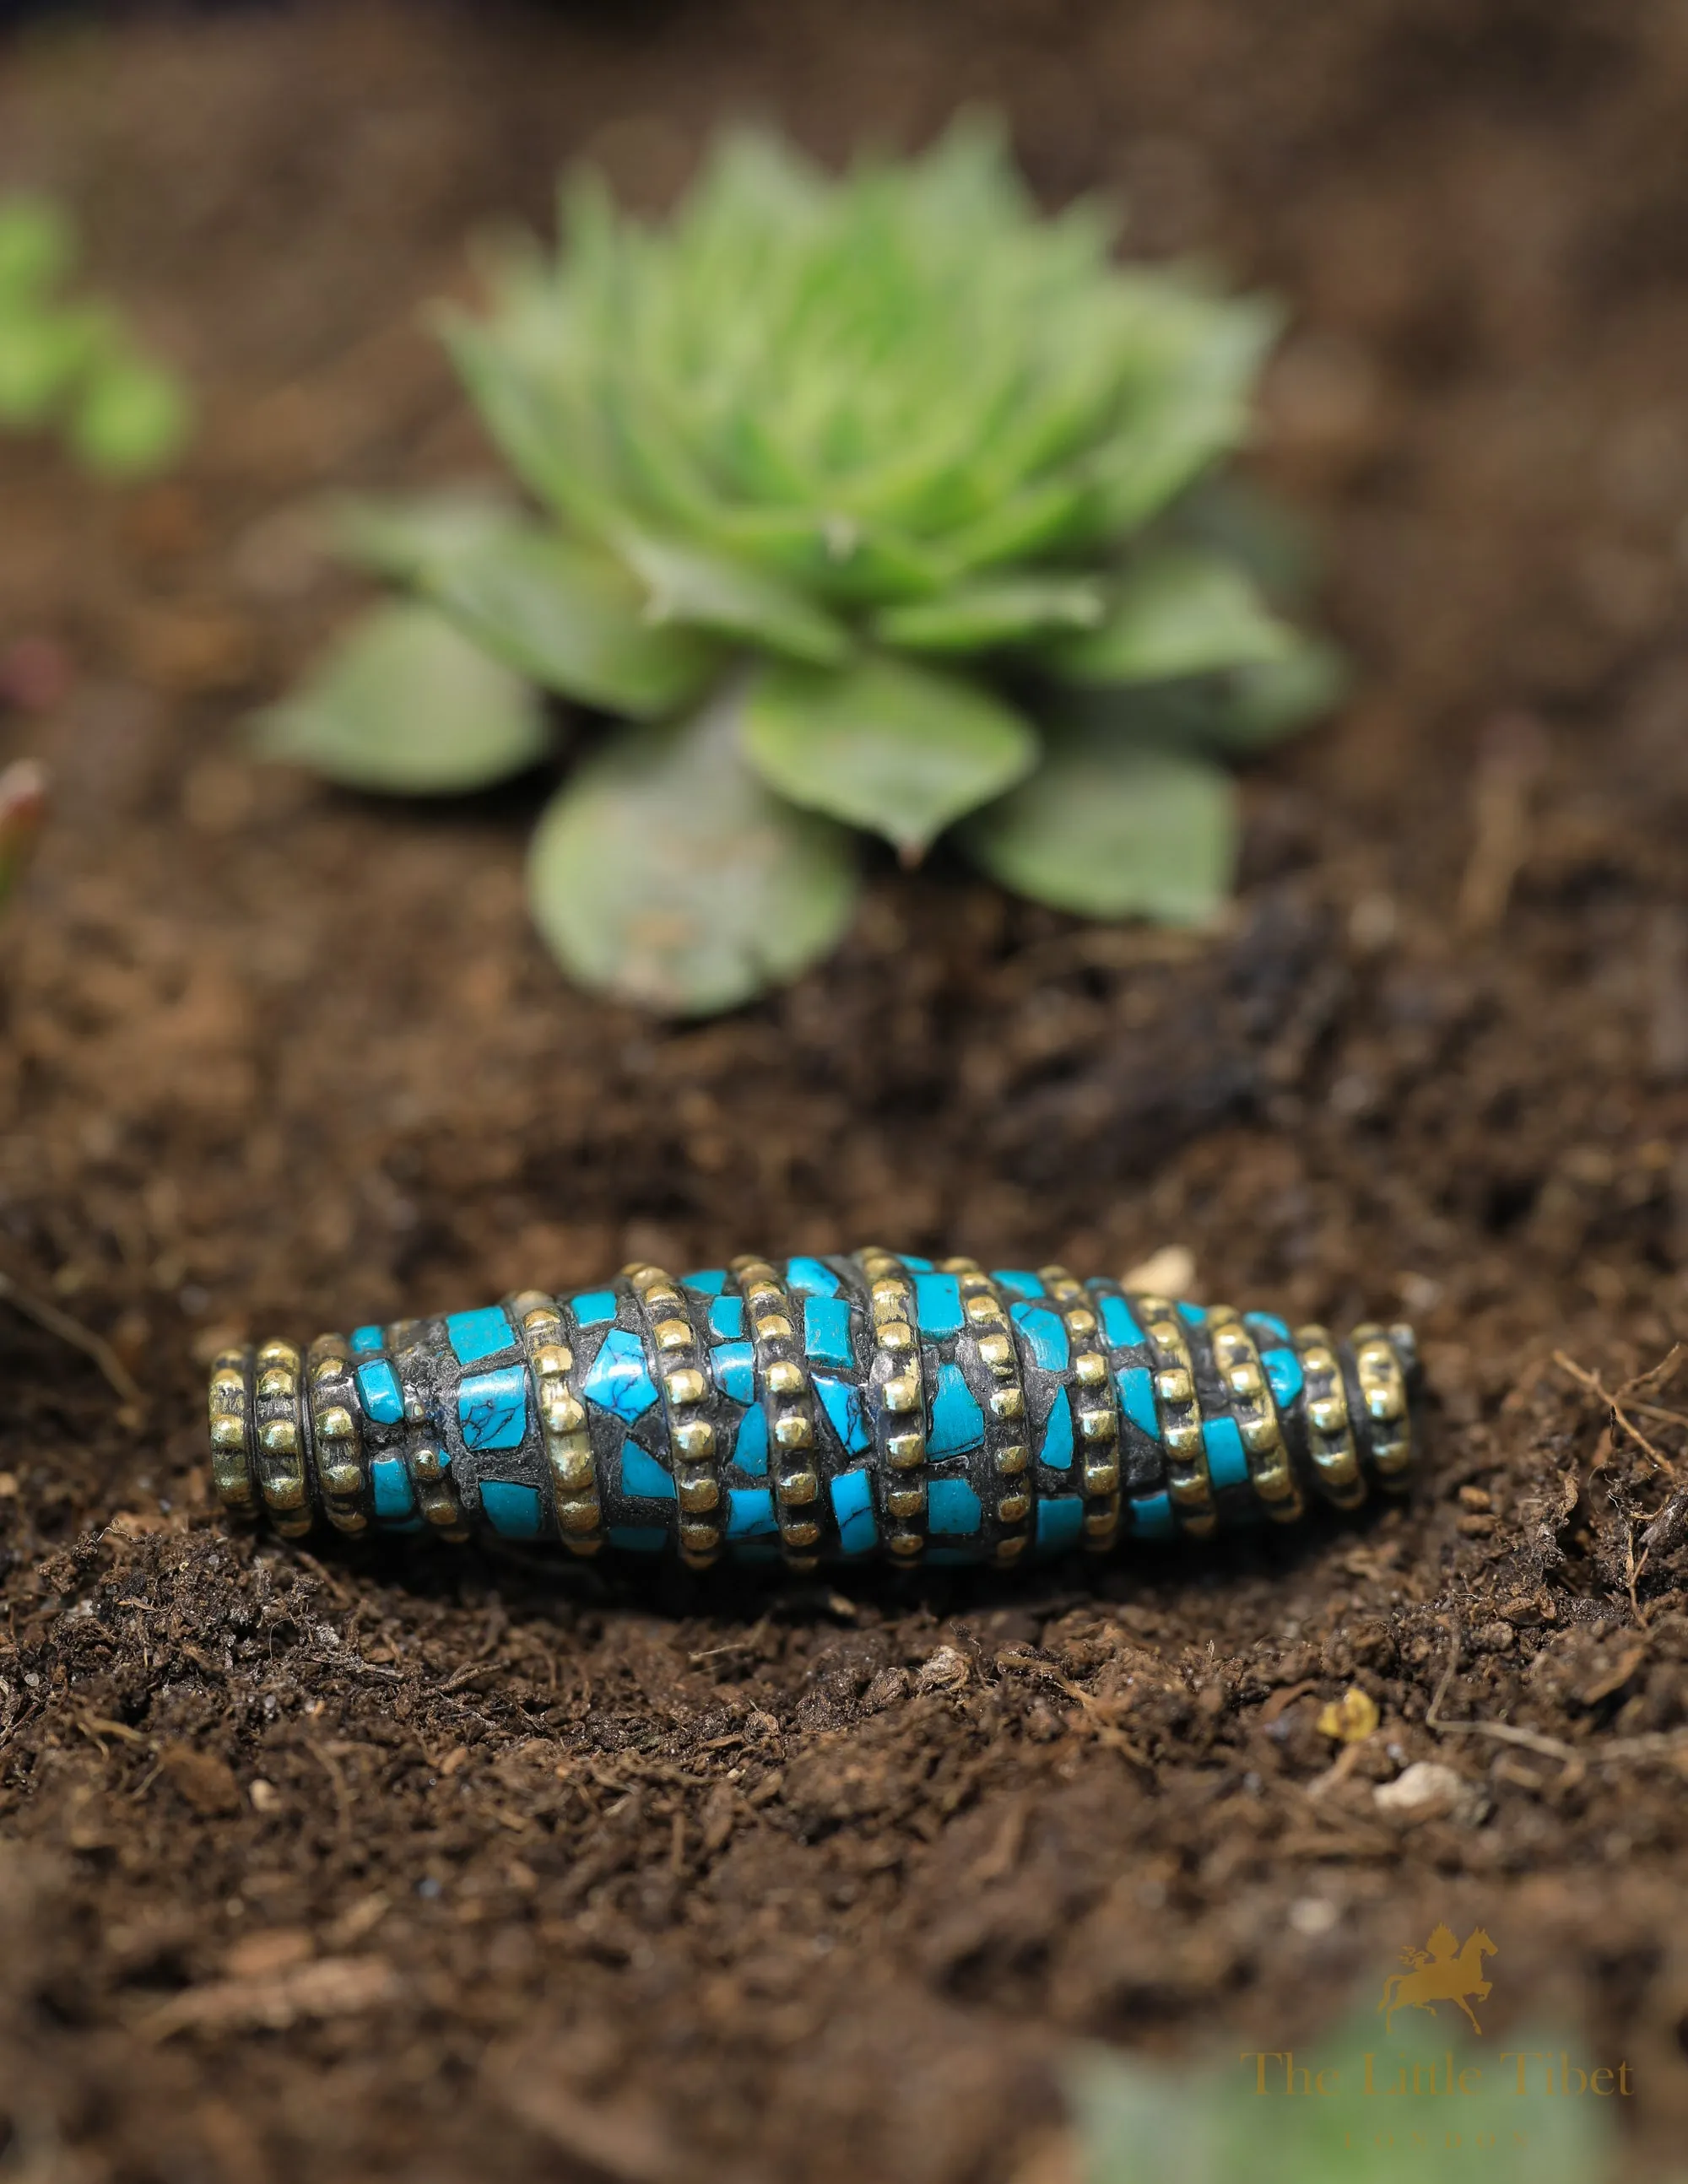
1114	828
734	600
41	354
994	612
1262	704
403	539
1177	611
882	743
666	873
132	418
408	705
570	617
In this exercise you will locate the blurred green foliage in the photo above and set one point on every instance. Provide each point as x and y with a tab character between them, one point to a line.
880	504
1233	2121
73	366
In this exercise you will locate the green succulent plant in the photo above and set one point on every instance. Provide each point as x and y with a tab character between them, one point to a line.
880	504
74	365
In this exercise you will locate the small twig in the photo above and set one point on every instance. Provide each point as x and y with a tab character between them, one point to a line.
1597	1386
48	1316
1654	1743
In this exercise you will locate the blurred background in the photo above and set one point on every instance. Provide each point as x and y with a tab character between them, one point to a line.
278	1057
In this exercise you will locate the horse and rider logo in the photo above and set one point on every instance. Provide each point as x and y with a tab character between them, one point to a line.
1448	1970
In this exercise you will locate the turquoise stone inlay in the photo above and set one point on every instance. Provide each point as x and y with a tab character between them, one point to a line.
618	1378
1266	1327
735	1367
492	1407
751	1450
644	1476
594	1306
708	1281
952	1506
842	1402
639	1539
1060	1521
727	1319
366	1339
1137	1398
512	1511
1193	1315
1016	1282
852	1493
1057	1441
938	1304
1284	1371
826	1330
750	1513
811	1277
915	1265
1119	1322
1228	1463
476	1335
1152	1517
391	1482
957	1422
1045	1333
378	1388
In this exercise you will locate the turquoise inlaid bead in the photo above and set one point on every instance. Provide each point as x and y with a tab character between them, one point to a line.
1284	1372
938	1304
852	1493
378	1390
492	1407
811	1277
957	1422
826	1331
846	1412
618	1378
750	1513
952	1506
1045	1333
1060	1522
1016	1282
1119	1322
476	1335
512	1511
751	1450
707	1281
642	1476
1152	1517
1228	1463
915	1265
735	1369
1193	1315
1136	1384
594	1306
1057	1441
366	1339
1266	1327
727	1319
639	1539
390	1482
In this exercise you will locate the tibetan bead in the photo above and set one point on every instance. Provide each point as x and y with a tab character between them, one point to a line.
822	1409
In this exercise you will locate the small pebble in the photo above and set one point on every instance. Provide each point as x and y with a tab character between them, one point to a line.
1425	1791
945	1670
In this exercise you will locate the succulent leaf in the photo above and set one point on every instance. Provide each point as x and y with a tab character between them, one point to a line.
1176	612
686	585
883	743
132	419
665	872
406	704
37	247
1113	827
992	612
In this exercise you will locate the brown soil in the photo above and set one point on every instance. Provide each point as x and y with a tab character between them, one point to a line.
352	1867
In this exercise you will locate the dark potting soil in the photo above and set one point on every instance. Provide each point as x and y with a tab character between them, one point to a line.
351	1865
